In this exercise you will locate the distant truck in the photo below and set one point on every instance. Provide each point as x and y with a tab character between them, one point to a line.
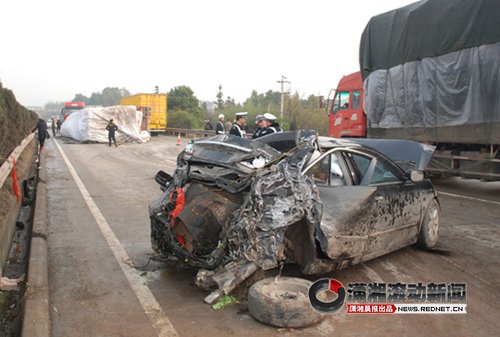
154	108
429	73
346	115
70	107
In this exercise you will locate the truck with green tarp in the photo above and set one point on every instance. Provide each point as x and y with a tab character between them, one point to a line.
431	73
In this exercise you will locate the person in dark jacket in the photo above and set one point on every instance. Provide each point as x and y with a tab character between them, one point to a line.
220	128
258	126
208	125
59	123
112	128
238	128
269	125
41	127
53	124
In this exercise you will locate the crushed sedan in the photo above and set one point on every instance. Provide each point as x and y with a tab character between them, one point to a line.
234	206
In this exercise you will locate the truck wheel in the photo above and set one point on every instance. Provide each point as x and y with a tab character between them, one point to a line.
429	231
282	302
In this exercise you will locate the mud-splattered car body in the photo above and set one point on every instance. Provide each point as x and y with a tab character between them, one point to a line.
235	205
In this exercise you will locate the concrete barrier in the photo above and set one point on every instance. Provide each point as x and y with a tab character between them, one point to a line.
9	204
37	313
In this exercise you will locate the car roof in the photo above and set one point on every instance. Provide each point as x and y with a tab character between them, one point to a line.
401	152
330	142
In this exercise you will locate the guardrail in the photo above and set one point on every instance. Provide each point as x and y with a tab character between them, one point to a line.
194	132
189	132
6	167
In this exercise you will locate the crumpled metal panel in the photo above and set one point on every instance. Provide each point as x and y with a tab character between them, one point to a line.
280	196
230	150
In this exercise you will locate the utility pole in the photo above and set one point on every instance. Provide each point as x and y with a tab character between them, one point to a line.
283	81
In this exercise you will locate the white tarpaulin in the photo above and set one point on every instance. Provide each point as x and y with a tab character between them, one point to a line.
89	125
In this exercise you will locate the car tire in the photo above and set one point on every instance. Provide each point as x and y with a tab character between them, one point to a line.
429	231
282	302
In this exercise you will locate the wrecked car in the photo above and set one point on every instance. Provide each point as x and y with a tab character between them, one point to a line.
235	205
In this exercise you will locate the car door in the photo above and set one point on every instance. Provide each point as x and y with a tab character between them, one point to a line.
396	213
347	208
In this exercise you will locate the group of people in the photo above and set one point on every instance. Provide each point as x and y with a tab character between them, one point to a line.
43	133
56	126
264	125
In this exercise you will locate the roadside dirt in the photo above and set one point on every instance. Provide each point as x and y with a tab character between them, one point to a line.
16	122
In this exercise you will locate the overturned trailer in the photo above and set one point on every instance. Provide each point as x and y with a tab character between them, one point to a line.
234	205
89	124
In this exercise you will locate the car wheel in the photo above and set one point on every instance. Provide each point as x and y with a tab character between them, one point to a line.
282	302
429	231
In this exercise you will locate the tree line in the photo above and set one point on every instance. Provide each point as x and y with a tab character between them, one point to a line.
185	110
107	97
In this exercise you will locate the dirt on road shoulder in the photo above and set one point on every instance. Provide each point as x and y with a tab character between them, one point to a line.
16	122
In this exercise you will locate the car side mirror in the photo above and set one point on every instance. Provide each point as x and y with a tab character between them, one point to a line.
163	179
416	176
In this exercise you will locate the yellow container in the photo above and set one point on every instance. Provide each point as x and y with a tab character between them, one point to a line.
157	104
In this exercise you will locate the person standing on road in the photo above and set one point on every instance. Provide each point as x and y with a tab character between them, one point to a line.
53	127
258	126
41	126
112	128
59	123
208	125
269	125
238	128
219	128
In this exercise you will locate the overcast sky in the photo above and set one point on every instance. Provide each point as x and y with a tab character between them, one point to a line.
53	49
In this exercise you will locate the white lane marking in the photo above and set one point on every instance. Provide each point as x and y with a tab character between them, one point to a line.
148	302
470	198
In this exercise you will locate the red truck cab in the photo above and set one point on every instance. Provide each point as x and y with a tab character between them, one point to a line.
346	115
70	107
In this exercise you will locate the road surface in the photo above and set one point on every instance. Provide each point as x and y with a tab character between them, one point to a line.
97	236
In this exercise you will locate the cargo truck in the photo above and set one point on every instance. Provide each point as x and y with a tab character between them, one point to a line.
70	107
429	72
154	108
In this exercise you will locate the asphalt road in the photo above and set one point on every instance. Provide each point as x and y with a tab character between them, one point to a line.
95	241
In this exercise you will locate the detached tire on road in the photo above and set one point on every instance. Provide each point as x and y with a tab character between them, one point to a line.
429	231
282	302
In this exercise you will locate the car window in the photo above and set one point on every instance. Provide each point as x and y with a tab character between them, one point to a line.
356	99
382	174
359	166
327	171
341	101
319	172
336	174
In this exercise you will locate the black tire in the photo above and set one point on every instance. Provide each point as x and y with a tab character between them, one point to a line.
429	231
282	302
